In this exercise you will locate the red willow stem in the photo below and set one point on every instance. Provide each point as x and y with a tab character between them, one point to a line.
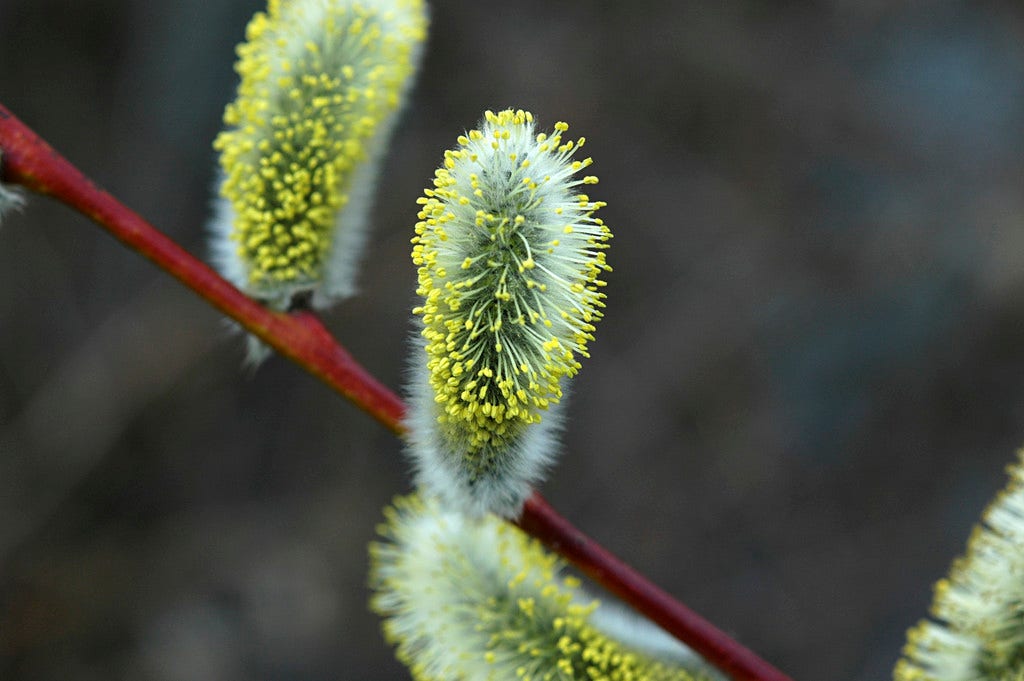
540	520
29	161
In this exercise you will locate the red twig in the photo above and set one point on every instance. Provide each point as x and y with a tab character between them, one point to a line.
29	161
714	645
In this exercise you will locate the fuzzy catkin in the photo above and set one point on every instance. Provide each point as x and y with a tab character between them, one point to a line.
475	599
321	83
509	254
977	633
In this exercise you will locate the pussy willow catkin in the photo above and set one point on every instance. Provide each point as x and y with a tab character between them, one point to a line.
321	81
510	255
477	599
978	631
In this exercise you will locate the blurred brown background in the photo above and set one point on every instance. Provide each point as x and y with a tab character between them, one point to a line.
810	376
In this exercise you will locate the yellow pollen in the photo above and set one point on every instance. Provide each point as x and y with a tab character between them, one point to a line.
506	316
299	129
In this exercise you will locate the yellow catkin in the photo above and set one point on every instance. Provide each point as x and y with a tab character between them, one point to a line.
510	257
472	600
977	633
318	80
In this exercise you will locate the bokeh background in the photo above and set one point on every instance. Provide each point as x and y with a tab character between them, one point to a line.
808	383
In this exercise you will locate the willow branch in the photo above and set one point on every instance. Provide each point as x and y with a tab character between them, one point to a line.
29	161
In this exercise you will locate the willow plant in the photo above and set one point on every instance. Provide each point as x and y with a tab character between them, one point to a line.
475	598
510	255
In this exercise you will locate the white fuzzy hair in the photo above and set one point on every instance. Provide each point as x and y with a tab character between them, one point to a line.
439	464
